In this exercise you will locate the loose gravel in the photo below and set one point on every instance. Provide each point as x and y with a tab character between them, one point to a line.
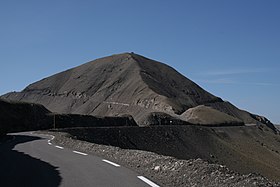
165	170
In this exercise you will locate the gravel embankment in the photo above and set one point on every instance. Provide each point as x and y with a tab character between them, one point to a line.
164	170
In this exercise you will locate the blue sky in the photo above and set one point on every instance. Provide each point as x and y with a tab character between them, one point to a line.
230	48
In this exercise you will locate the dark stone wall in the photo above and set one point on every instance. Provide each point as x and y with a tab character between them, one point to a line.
17	117
75	120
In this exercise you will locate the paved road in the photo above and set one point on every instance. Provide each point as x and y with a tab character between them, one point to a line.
31	160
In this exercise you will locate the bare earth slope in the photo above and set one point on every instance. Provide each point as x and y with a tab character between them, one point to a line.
123	84
204	115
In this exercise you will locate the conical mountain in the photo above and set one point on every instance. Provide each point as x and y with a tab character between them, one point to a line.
123	84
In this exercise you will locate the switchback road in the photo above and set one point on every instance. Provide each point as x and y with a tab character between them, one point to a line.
30	159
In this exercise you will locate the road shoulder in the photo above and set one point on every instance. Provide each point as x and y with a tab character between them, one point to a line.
164	170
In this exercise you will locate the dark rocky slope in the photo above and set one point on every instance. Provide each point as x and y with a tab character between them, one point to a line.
123	84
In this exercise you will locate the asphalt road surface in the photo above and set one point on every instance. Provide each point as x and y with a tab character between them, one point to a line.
32	160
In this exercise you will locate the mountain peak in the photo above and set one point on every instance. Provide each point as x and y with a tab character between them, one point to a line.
119	84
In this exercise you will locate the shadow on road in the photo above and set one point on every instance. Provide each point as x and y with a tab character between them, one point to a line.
19	169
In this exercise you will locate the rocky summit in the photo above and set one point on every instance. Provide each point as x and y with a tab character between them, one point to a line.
130	84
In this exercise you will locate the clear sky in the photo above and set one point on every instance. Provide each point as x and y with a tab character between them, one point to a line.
229	47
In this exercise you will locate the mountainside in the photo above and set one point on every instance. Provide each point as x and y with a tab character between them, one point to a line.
124	84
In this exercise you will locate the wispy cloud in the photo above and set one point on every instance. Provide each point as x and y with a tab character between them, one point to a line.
217	81
229	81
236	76
235	71
260	84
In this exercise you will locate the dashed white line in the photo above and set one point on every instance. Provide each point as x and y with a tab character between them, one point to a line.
144	179
59	147
112	163
148	181
49	141
80	153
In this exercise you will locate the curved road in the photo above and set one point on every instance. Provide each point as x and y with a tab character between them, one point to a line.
31	160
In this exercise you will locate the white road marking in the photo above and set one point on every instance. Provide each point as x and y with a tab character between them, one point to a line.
80	153
112	163
144	179
49	141
59	147
52	137
148	181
